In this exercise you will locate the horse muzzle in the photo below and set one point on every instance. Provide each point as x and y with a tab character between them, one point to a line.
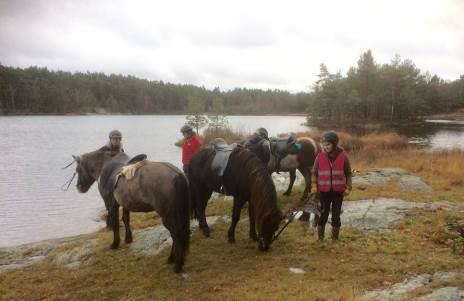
263	245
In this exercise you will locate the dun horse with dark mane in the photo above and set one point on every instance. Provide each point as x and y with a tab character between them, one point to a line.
245	178
153	186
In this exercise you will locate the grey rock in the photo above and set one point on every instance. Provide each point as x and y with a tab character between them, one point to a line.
75	257
381	176
442	294
151	241
399	290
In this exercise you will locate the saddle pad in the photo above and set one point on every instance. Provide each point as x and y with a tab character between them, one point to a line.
128	171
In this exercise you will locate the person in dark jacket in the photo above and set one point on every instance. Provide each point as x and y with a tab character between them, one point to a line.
258	144
190	146
114	142
332	180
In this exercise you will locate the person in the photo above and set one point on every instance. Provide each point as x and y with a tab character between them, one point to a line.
258	144
332	180
114	142
190	146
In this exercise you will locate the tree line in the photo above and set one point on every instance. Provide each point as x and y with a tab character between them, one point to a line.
37	90
395	91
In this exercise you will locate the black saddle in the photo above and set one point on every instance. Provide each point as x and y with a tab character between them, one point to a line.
110	171
221	157
281	147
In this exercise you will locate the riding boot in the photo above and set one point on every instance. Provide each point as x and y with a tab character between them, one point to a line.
320	234
335	232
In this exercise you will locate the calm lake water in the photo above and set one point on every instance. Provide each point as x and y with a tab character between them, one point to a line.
35	148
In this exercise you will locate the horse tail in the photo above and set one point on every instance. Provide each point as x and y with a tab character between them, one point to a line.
182	209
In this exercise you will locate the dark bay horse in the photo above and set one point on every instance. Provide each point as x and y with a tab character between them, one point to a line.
247	179
154	186
303	161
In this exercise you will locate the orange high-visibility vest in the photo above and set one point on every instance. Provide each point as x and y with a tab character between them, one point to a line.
331	175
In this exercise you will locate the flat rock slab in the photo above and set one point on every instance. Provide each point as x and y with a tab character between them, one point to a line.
24	255
75	257
399	291
151	241
378	215
382	176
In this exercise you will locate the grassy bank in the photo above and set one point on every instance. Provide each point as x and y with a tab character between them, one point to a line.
217	270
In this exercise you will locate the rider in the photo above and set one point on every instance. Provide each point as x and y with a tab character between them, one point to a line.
258	144
191	145
114	142
332	173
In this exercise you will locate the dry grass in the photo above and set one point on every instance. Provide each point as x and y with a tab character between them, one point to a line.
218	270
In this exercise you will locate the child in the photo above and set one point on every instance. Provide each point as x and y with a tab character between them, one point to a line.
332	179
190	147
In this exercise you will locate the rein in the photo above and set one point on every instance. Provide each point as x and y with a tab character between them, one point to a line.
69	181
294	215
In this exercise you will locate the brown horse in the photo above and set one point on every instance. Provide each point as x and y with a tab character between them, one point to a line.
155	186
303	161
245	178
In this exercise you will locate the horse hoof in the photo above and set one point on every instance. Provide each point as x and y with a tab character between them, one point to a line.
231	240
206	232
171	259
128	240
177	269
286	193
253	238
114	246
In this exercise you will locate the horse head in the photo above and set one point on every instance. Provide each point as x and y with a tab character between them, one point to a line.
88	168
267	228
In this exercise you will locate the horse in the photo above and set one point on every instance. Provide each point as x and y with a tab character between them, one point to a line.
154	186
303	161
246	178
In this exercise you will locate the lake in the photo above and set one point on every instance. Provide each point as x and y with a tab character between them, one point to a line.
35	148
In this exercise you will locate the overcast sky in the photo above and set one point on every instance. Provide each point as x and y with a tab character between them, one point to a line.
228	44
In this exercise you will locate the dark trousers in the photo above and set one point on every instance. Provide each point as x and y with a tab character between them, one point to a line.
332	199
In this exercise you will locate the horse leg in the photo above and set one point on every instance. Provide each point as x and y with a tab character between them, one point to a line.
126	220
292	181
307	177
114	212
235	219
203	202
251	216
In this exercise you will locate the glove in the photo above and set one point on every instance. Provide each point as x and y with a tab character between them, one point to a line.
347	192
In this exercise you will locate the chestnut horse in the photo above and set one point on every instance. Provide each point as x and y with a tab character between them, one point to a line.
303	161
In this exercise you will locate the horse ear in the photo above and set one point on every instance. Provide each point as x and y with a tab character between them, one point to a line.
76	158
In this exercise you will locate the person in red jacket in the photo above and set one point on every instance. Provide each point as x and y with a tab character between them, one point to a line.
332	179
190	147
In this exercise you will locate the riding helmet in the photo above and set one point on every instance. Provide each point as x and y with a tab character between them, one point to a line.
115	134
330	137
186	128
263	133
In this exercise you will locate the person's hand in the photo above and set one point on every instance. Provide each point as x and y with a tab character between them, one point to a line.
347	192
314	189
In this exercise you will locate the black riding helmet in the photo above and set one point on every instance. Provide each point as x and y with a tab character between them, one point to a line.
186	128
330	137
115	134
263	133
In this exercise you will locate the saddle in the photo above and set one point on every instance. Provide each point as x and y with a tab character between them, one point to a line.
111	171
221	157
281	147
